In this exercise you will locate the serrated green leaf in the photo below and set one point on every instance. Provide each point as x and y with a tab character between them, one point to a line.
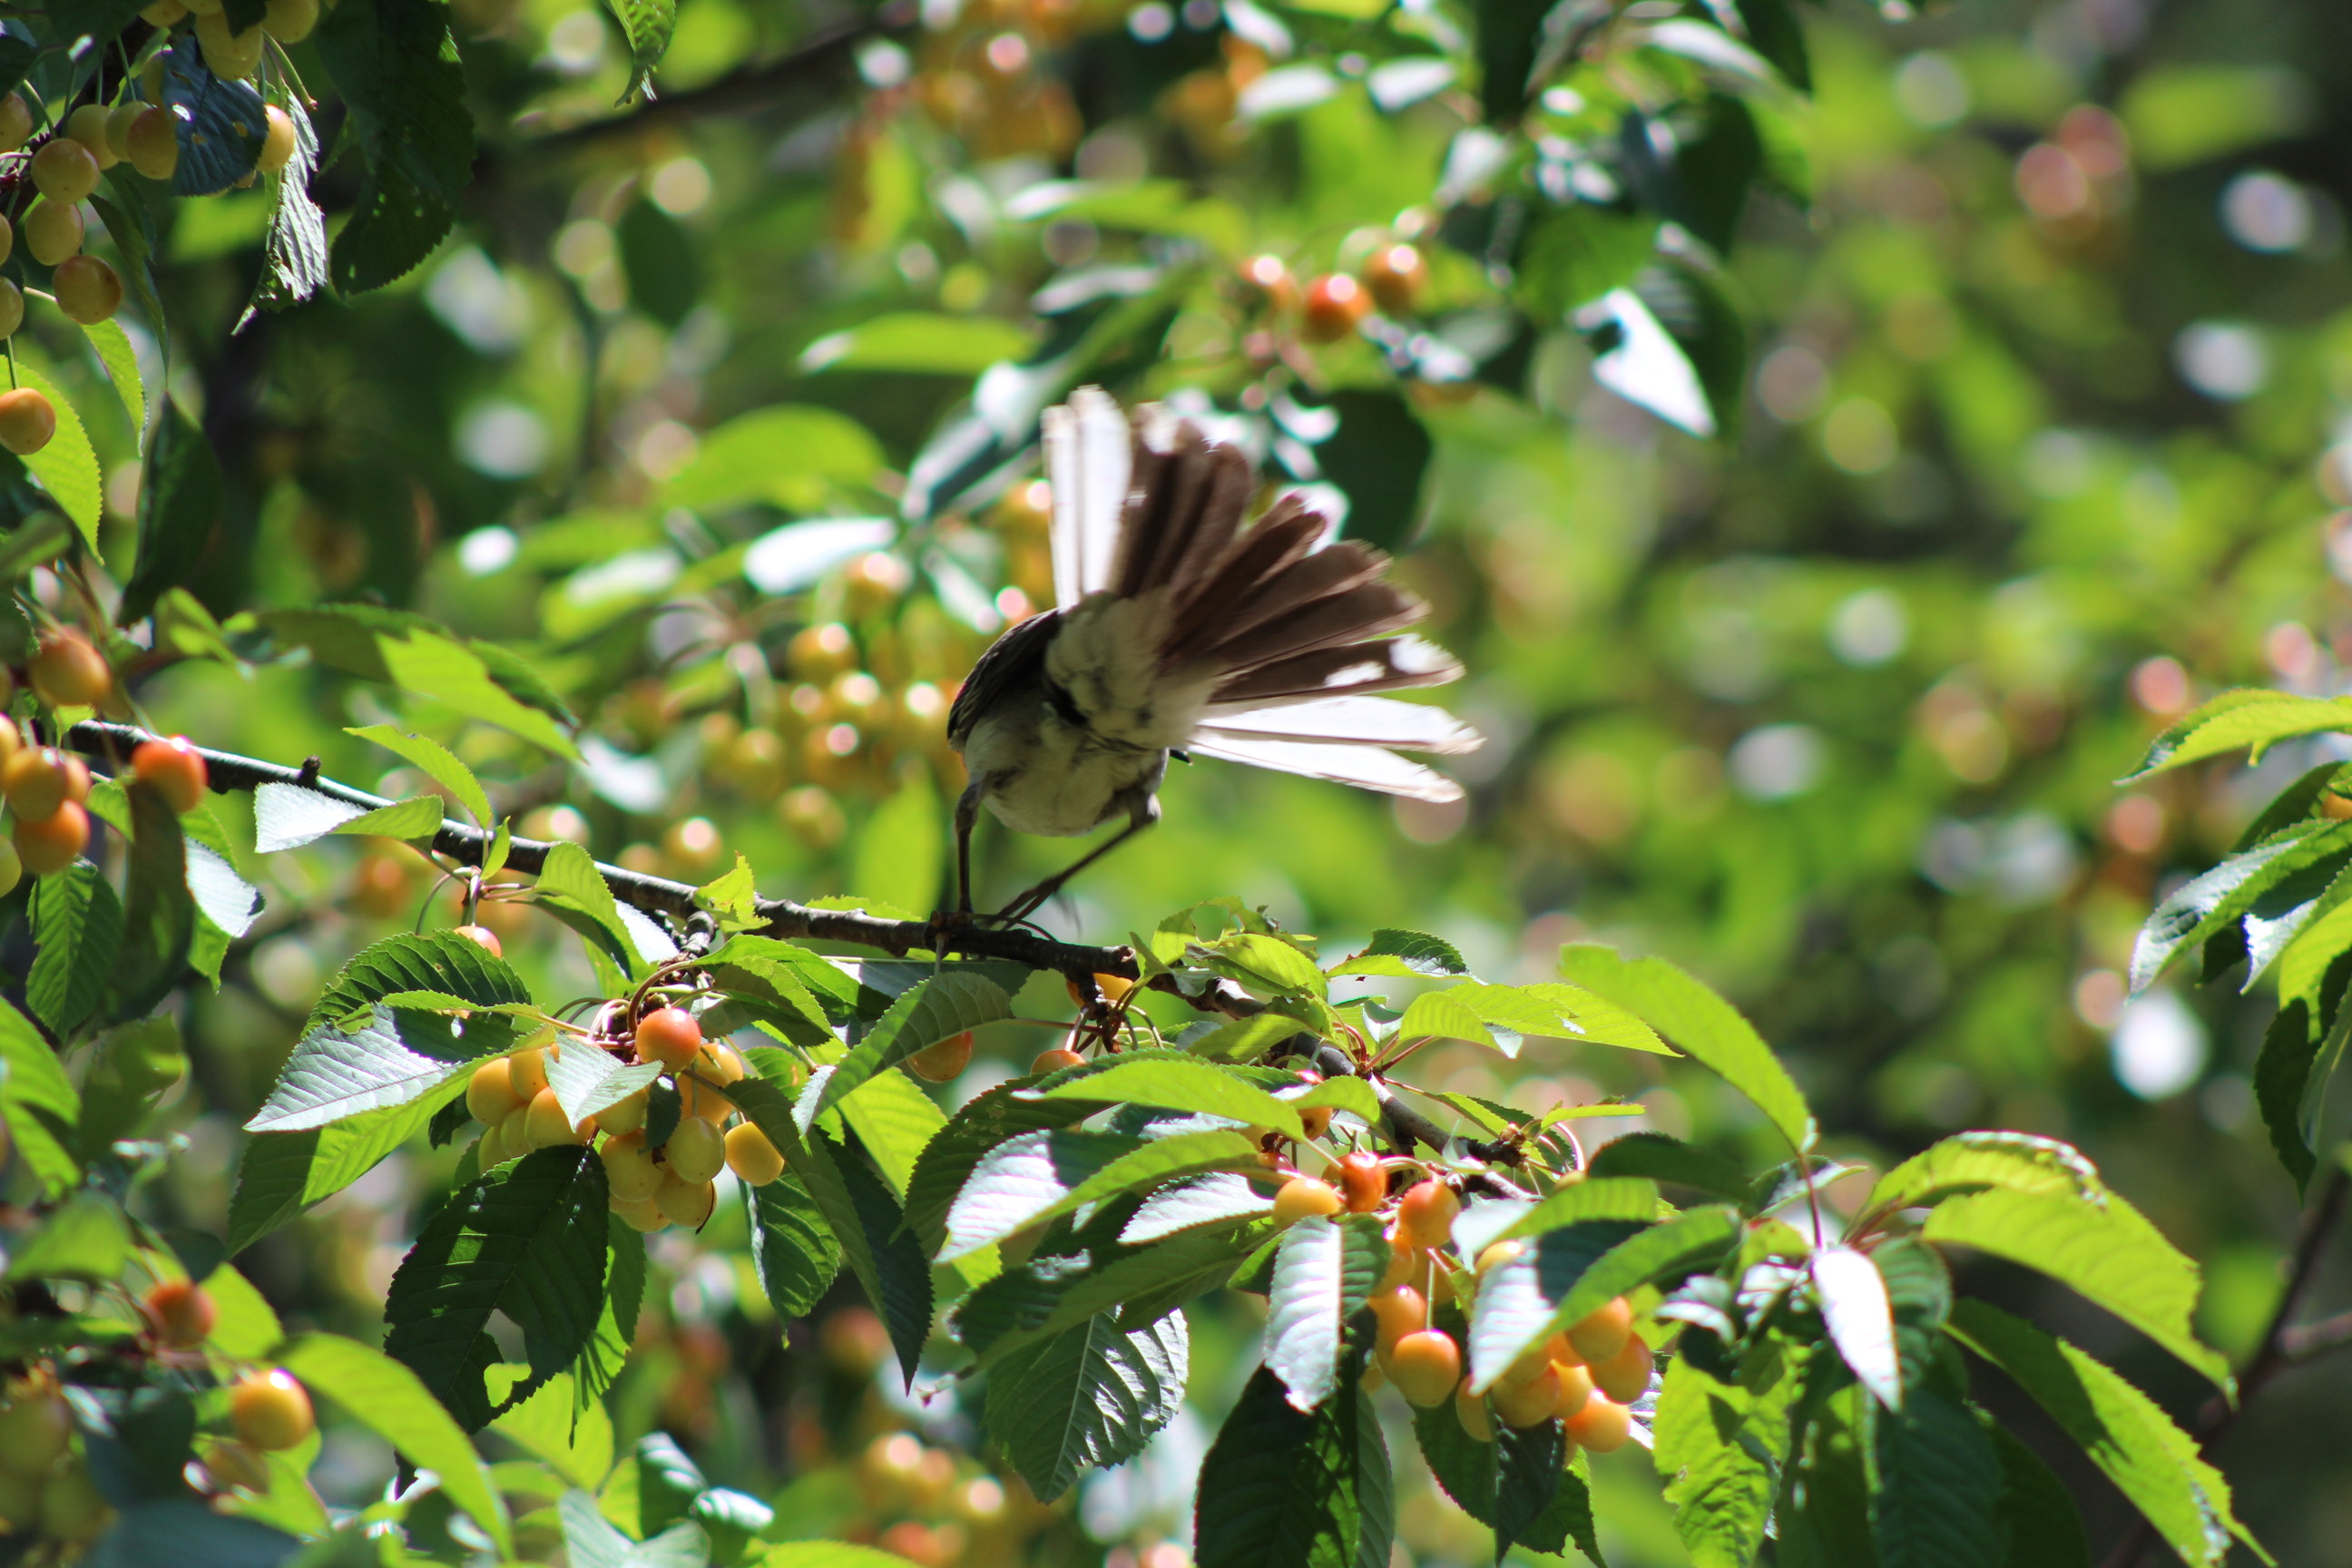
1135	1289
397	68
287	816
607	1353
1088	1397
2101	1248
527	1240
587	1080
896	1121
1192	1085
573	1436
1523	1301
2291	1046
389	1400
159	917
1283	1488
83	1238
2042	1526
2209	904
1036	1176
281	1173
1406	954
1939	1486
646	23
2125	1434
1265	963
732	899
2239	719
569	877
1977	1162
180	499
459	677
76	923
37	1101
1521	1470
1703	1024
589	1542
1720	1448
920	1018
112	346
294	248
1658	1158
792	1251
947	1160
243	1325
1324	1270
438	763
67	466
901	1281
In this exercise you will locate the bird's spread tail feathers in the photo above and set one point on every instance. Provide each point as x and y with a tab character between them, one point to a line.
1260	644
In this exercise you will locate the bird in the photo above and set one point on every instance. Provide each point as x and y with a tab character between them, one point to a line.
1181	630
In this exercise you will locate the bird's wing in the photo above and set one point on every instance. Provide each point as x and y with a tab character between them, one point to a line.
1087	460
1366	767
1388	664
1347	722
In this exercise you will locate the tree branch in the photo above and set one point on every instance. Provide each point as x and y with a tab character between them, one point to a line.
2282	1345
655	895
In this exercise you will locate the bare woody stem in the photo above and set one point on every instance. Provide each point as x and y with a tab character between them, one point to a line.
655	895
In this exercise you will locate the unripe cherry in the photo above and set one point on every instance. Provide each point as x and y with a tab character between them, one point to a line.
63	170
669	1036
1625	1376
86	125
630	1174
548	1126
290	21
36	782
271	1410
35	1428
1603	1425
1269	283
232	1464
15	121
87	290
26	420
644	1216
482	937
69	672
1426	1366
1395	274
1303	1196
941	1062
752	1157
72	1508
687	1204
1426	1212
1470	1409
1336	306
1400	1310
1055	1060
1527	1404
696	1150
491	1095
54	842
153	143
1575	1388
181	1311
53	231
230	56
1599	1337
118	127
626	1115
173	769
12	299
527	1070
278	147
1363	1182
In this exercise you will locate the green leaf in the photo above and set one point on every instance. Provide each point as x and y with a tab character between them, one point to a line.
732	899
244	1327
789	455
2282	1084
902	850
77	928
389	1400
793	1250
1086	1398
2151	1461
1324	1271
1194	1086
589	1542
294	248
1285	1489
67	466
134	238
282	1173
437	762
896	1121
2101	1248
1036	1177
1659	1158
1860	1319
646	23
2043	1527
83	1238
1264	962
1406	954
190	1535
920	341
1543	1505
398	71
37	1101
527	1240
287	816
159	918
1136	1290
607	1353
587	1079
461	677
2240	719
1543	1290
900	1277
573	1436
1702	1023
1979	1162
824	1555
1939	1486
922	1018
180	500
2241	887
946	1162
569	881
112	344
1720	1448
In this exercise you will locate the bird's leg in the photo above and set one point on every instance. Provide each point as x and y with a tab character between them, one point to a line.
966	816
1145	812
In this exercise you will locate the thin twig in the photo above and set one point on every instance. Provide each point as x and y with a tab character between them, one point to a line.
2282	1344
655	895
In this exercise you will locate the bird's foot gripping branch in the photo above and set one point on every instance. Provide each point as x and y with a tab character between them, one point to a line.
1536	1295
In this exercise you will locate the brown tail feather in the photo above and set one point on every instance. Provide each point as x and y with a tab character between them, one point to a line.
1360	614
1292	592
1283	535
1189	492
1351	668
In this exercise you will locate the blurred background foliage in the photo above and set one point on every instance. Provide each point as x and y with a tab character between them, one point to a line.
2042	431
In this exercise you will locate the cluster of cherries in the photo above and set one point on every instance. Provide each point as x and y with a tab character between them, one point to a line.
45	1490
651	1187
1334	304
45	787
1586	1377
